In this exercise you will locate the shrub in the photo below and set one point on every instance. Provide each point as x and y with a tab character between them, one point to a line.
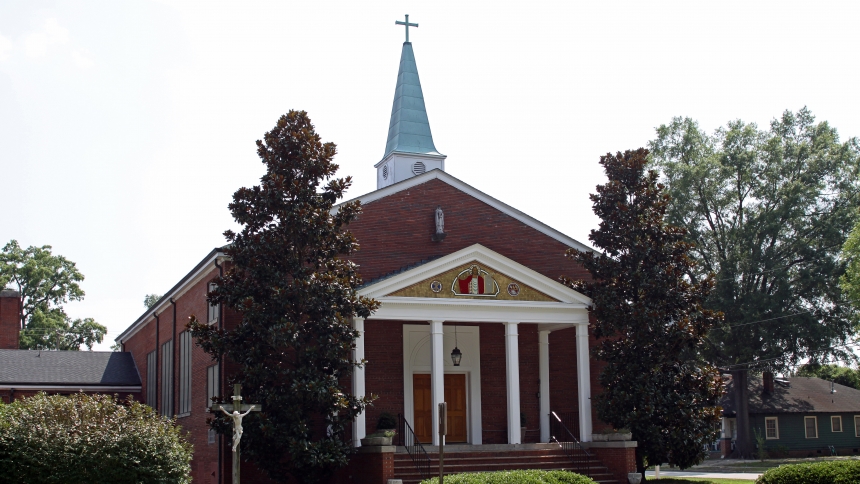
386	421
514	477
93	439
829	472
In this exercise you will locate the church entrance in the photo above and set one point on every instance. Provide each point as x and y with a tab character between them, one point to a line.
455	396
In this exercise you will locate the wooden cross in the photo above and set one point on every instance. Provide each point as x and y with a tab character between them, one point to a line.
239	411
407	24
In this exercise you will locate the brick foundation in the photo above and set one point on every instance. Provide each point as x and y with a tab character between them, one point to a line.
618	457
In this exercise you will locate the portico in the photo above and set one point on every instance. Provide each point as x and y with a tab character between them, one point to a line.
442	303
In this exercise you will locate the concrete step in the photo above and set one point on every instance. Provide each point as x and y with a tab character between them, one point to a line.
489	461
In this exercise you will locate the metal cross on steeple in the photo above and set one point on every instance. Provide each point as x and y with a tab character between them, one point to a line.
407	24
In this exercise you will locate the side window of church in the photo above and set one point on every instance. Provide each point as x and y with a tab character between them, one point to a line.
213	308
185	372
212	391
167	379
152	379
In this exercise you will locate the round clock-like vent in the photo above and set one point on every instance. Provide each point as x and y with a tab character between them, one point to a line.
418	168
385	172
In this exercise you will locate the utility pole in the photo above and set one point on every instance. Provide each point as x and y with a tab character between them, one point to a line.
237	416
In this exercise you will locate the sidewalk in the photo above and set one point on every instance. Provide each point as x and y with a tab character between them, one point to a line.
708	475
710	469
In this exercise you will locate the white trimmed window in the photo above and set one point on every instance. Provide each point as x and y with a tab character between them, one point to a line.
811	424
167	379
212	391
771	428
213	308
152	379
857	426
185	373
836	423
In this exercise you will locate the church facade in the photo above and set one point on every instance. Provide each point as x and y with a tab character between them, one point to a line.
472	314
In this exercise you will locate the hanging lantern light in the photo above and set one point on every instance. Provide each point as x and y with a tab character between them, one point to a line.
456	355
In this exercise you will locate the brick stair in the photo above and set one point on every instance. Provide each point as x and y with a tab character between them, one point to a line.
487	461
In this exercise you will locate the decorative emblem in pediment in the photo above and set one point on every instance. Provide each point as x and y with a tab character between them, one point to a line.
473	281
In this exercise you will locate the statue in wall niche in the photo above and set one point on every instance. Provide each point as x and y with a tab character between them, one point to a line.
440	225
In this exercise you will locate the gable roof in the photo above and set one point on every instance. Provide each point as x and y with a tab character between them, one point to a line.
67	368
796	395
444	177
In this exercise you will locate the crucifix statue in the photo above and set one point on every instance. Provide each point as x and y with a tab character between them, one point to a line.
237	424
236	415
407	24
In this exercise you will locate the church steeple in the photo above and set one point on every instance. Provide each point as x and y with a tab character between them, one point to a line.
409	150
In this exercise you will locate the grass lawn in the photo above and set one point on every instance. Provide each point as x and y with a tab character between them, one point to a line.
687	480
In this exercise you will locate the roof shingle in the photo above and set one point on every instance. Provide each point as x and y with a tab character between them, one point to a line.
29	367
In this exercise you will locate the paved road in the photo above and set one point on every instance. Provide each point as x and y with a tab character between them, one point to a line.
708	475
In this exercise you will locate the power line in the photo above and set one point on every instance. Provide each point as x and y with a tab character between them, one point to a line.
765	320
756	362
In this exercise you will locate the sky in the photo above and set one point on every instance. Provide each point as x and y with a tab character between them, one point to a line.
125	127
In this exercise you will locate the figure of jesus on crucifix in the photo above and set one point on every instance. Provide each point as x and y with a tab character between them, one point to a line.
237	424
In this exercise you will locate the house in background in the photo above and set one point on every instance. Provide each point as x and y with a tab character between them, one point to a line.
799	416
27	372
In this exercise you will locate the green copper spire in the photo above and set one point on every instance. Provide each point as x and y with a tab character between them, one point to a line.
409	129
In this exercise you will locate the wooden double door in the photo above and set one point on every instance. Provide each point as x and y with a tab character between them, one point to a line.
455	396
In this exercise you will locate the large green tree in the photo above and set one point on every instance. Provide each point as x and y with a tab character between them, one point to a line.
649	318
46	282
294	287
768	212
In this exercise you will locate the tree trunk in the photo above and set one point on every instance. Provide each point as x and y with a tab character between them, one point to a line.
640	463
743	444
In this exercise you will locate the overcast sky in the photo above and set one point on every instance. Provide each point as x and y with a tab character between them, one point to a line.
125	126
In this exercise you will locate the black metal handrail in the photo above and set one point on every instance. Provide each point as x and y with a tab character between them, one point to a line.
406	437
578	455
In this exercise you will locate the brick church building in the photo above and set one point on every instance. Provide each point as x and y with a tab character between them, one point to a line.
456	271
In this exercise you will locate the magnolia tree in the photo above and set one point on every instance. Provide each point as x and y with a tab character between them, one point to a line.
294	286
649	319
93	439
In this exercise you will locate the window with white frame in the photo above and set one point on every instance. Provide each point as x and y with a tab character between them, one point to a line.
213	308
185	373
771	428
857	425
167	379
811	424
213	390
152	379
836	423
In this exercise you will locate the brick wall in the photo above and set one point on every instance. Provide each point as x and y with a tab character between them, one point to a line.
10	319
619	461
168	325
383	350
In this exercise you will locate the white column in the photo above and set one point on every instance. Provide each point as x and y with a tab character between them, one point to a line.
583	379
512	364
437	374
543	372
359	427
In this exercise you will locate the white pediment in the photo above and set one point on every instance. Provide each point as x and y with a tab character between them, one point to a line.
485	257
564	307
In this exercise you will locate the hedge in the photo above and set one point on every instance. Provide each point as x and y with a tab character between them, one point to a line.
514	477
829	472
93	439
